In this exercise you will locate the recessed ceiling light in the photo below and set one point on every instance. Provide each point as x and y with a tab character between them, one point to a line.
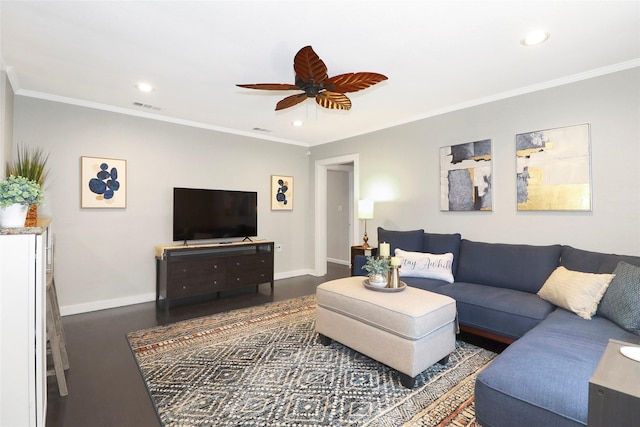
535	37
297	123
144	87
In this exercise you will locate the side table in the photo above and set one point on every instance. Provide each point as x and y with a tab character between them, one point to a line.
614	389
359	250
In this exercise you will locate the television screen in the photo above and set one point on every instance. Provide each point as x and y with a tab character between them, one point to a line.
214	214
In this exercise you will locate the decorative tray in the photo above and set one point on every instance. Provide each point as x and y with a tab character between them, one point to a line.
400	288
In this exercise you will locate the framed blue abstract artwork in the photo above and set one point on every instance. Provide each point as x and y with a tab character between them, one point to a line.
281	193
103	182
465	177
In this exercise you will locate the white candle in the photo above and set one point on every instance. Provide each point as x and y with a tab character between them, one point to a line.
396	261
384	250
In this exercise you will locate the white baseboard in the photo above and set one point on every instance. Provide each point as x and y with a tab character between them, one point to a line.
339	261
68	310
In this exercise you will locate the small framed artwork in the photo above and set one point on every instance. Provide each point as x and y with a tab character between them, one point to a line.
553	169
281	193
465	177
103	182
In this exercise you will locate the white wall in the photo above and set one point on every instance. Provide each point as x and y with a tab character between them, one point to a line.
399	167
6	121
104	257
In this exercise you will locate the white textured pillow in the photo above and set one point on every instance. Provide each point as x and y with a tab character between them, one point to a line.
575	291
421	264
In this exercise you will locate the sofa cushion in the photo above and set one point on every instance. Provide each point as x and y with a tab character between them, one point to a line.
431	266
520	267
431	285
501	311
406	240
575	291
434	243
593	262
544	376
621	301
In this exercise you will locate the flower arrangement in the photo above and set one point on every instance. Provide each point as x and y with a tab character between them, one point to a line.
19	190
377	265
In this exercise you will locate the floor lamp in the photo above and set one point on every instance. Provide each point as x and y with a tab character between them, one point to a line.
365	212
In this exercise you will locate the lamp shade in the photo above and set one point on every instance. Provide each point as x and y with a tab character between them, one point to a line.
365	209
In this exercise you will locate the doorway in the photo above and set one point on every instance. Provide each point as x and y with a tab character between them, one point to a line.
320	226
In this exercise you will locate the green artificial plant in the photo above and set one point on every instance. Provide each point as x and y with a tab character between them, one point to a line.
29	163
377	265
20	190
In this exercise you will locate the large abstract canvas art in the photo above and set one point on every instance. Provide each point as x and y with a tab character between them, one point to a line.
465	177
554	169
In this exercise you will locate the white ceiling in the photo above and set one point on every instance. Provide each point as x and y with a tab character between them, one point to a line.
439	56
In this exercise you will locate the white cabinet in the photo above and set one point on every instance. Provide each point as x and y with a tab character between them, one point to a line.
23	356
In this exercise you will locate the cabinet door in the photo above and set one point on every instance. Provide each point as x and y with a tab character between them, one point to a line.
191	277
250	269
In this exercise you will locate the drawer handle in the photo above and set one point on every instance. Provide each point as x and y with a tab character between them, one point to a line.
238	264
237	279
215	282
184	287
215	266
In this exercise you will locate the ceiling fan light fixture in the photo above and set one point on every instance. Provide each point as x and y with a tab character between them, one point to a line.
145	87
312	79
535	37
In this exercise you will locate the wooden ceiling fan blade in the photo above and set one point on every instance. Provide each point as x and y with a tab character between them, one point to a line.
308	66
271	86
353	82
290	101
333	101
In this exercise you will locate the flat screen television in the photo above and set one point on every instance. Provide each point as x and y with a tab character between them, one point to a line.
200	214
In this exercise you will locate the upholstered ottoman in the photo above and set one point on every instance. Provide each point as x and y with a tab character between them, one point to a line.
408	330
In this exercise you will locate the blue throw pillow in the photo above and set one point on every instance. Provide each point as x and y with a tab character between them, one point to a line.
407	240
621	301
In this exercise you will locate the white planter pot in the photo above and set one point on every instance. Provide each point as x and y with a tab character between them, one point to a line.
13	215
378	280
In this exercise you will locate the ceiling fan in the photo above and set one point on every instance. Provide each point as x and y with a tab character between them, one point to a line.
312	79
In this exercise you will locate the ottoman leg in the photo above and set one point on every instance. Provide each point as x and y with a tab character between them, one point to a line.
324	340
407	381
444	360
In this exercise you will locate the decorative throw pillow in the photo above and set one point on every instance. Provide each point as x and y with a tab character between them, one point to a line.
406	240
621	301
431	266
575	291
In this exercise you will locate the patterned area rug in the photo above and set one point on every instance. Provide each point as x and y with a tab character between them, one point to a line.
264	366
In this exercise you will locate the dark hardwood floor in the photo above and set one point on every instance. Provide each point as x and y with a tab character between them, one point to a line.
105	386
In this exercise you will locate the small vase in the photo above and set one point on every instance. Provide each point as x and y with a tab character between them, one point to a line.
13	215
32	216
378	280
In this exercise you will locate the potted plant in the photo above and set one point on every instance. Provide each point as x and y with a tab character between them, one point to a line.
17	193
378	269
31	164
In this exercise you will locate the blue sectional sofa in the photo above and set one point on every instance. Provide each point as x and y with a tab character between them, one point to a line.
542	378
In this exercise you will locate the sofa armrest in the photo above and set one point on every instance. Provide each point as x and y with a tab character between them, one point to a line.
358	263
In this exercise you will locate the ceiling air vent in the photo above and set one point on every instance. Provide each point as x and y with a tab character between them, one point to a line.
150	107
262	130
